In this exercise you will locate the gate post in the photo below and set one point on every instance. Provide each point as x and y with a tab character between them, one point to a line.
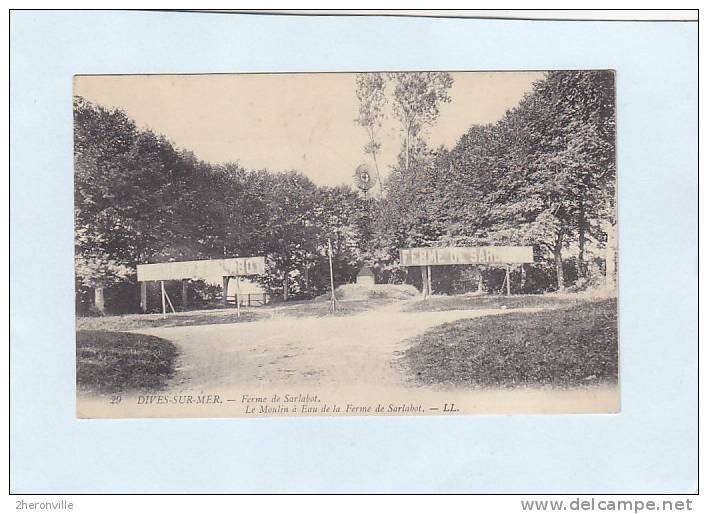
99	299
508	280
424	276
185	292
143	297
226	289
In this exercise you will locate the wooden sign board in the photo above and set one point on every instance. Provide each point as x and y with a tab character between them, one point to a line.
466	255
239	266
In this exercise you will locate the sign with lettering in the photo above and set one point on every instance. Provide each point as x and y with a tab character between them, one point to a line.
239	266
466	255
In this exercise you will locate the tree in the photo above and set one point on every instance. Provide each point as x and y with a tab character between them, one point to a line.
559	155
583	104
372	100
543	175
289	236
416	103
102	140
135	199
344	217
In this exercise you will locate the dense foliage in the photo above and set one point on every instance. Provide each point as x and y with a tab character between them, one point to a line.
140	200
543	175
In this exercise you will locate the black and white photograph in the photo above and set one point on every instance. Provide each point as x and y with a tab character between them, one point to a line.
314	244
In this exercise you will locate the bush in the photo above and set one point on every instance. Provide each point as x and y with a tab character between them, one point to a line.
570	346
377	291
110	362
536	278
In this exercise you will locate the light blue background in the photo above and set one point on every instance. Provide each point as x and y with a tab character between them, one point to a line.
649	447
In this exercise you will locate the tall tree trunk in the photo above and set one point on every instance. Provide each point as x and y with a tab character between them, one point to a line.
582	222
480	282
610	257
378	174
557	249
99	300
408	148
286	288
372	146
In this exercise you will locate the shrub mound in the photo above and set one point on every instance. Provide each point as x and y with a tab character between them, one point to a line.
374	292
111	362
569	346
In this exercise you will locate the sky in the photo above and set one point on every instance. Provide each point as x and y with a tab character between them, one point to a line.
302	122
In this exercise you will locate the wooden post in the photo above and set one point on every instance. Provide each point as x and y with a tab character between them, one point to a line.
430	281
238	297
331	275
169	302
185	292
162	290
143	297
424	276
508	280
225	281
99	299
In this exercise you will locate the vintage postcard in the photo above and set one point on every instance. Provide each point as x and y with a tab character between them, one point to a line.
346	244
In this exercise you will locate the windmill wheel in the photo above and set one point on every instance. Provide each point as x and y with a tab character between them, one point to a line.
363	179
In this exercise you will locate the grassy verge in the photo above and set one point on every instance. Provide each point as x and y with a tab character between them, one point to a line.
180	319
112	362
464	302
320	309
301	309
562	347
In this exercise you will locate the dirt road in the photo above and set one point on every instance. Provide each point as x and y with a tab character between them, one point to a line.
342	351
